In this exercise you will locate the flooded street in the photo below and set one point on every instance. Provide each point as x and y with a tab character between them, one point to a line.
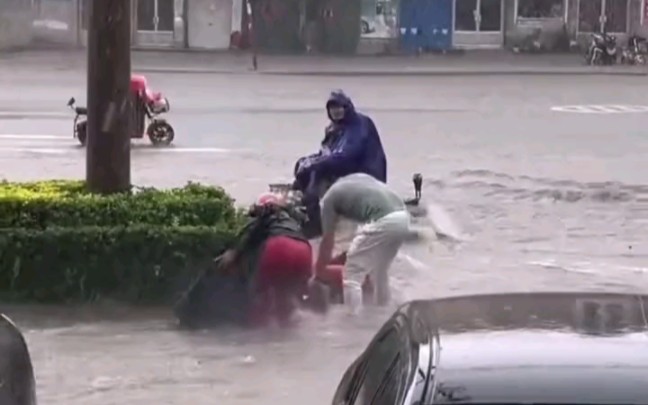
546	200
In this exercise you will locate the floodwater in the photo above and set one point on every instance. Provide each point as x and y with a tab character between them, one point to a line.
544	201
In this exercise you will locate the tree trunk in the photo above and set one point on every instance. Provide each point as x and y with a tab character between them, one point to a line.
109	102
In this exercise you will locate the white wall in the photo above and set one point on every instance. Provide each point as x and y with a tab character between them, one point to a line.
209	24
56	22
16	19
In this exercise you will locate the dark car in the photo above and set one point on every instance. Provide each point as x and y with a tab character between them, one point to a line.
17	386
531	348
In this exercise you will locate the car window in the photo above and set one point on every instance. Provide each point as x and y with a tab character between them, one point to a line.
375	379
387	392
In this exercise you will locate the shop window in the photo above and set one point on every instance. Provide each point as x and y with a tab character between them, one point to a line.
616	13
541	8
165	14
378	18
84	13
465	15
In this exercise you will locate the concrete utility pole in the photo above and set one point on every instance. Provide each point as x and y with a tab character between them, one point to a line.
109	101
249	5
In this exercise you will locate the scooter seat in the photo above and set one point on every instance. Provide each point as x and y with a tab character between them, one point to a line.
81	110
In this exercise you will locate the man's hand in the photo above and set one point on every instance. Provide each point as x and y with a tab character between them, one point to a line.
339	259
318	296
325	252
228	258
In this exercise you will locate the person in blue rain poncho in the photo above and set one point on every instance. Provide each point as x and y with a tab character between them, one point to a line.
351	145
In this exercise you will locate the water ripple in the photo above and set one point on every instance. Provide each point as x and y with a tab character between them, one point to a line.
494	184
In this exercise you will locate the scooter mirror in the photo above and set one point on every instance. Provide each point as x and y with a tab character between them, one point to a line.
71	102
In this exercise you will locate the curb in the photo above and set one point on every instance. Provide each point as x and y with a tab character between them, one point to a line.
404	72
20	115
197	71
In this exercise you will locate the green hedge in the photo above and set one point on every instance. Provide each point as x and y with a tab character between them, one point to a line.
67	203
136	263
59	243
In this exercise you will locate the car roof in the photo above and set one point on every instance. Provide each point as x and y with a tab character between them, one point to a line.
539	348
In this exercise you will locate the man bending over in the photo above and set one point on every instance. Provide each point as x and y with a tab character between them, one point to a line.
384	226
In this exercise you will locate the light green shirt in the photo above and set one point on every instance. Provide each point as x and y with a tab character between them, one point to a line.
359	198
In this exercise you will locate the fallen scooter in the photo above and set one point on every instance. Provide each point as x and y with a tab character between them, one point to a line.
146	106
213	299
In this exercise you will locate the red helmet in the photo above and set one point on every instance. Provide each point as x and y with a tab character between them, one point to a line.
269	198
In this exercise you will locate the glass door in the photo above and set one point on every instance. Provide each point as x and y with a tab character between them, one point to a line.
146	15
598	15
478	23
83	14
155	22
466	15
490	13
616	16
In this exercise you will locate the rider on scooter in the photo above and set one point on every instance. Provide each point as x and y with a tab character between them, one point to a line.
351	145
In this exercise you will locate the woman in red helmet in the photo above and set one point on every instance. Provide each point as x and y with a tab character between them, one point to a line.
278	258
266	275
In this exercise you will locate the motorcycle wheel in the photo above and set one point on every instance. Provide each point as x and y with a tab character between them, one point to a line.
160	133
640	60
596	59
82	133
593	57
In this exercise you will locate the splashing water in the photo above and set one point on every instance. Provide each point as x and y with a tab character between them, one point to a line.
442	223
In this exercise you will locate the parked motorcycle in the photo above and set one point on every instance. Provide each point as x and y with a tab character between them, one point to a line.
636	51
146	106
79	128
602	50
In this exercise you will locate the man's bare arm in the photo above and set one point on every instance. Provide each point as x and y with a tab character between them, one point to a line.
325	252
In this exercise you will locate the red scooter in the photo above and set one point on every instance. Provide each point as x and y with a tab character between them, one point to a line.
147	106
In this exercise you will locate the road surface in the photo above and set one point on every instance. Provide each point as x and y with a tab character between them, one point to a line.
546	177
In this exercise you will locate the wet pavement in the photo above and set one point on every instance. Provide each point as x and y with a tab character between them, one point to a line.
547	200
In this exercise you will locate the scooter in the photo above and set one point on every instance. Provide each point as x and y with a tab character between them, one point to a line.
146	105
602	50
80	129
635	53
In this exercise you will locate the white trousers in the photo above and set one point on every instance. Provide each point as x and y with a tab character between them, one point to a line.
345	232
372	252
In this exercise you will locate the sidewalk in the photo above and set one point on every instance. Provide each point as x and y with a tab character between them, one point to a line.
469	63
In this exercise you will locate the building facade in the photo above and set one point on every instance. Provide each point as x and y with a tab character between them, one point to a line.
199	24
346	26
516	23
15	21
